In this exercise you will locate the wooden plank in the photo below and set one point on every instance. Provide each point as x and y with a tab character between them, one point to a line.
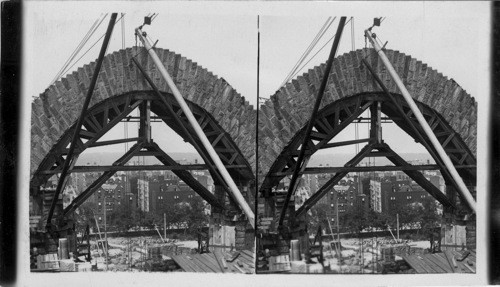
185	264
463	264
470	268
434	262
248	253
416	264
239	269
413	264
246	258
209	257
203	263
439	257
217	262
220	257
198	262
425	264
209	262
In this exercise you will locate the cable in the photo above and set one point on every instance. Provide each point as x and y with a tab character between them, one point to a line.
123	30
78	48
352	34
313	43
89	49
317	52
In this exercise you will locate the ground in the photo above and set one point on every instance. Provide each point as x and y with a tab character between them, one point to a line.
371	258
129	254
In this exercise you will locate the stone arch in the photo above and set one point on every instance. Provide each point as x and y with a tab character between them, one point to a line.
58	108
286	113
119	86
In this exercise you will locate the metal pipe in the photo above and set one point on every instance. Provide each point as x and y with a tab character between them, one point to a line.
198	130
421	120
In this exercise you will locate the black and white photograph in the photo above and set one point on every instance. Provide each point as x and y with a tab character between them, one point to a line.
228	142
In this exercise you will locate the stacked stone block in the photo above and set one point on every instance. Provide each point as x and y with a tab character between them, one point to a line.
289	109
58	108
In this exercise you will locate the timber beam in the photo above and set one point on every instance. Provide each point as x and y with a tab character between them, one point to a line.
320	170
309	133
104	168
311	201
69	158
185	175
102	179
418	177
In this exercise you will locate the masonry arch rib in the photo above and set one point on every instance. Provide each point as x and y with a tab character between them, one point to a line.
288	110
55	111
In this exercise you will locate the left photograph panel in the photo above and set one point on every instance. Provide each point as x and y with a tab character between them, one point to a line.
142	155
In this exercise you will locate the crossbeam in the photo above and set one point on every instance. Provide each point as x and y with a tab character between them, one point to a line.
311	201
418	177
183	126
80	199
319	170
185	175
104	168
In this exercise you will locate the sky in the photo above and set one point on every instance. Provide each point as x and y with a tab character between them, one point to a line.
452	37
222	37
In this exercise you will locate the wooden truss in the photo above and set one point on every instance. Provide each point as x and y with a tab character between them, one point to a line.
337	116
106	115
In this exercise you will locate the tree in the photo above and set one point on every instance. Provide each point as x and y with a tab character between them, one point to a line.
318	217
196	217
429	219
123	218
85	215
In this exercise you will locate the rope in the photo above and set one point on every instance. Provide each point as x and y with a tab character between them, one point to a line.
123	30
318	36
78	48
352	34
317	52
90	48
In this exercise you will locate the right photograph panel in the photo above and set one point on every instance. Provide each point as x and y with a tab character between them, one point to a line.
368	144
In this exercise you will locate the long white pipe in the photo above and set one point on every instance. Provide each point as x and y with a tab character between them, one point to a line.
427	129
206	143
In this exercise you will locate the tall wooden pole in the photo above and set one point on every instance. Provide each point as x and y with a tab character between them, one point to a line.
300	160
79	123
397	225
105	232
